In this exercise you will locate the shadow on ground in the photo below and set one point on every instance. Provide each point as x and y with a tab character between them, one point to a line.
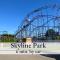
56	56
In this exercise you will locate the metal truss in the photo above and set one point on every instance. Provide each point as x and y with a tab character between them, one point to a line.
37	22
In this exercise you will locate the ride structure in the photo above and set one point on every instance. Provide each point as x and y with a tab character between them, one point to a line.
41	24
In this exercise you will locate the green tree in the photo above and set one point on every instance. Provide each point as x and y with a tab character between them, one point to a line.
7	38
51	34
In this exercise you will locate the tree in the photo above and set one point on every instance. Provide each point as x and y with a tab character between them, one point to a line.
7	38
51	34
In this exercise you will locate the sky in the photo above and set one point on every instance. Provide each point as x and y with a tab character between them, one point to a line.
12	12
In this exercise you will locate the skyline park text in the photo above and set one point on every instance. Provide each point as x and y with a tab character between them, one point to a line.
28	45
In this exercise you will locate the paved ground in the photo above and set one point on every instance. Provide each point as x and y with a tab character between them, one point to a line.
24	57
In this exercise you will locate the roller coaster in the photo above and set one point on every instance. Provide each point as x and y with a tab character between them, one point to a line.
36	24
